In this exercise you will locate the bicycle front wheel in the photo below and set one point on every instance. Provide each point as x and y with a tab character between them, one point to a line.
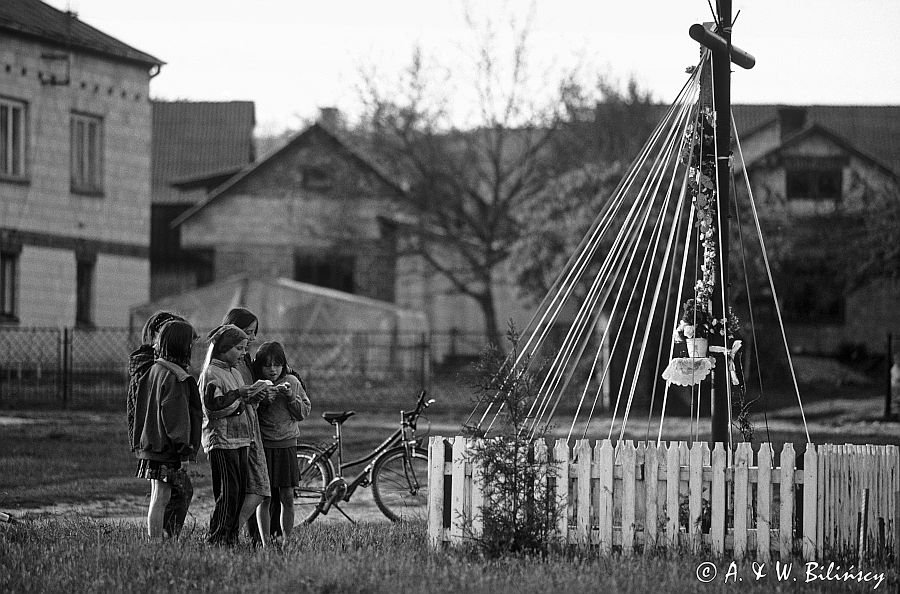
400	485
315	473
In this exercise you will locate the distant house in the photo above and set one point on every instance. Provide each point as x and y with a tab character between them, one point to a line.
311	211
75	126
810	166
197	145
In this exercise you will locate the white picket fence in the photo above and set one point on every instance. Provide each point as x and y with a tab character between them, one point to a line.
737	502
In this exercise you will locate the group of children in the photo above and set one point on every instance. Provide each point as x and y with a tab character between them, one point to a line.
244	412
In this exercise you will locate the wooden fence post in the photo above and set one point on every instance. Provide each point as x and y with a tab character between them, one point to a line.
810	501
561	459
651	484
477	503
458	517
604	457
695	495
786	519
673	476
742	459
717	513
436	490
627	460
582	514
764	502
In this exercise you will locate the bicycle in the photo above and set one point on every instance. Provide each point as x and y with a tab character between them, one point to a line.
397	470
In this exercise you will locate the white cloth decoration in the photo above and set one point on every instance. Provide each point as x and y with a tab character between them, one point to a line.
688	371
730	354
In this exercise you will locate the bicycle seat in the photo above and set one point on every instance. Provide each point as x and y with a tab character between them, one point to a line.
338	417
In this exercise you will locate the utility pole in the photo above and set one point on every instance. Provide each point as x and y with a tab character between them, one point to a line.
723	54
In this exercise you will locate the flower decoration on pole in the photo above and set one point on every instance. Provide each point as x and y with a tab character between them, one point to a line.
698	154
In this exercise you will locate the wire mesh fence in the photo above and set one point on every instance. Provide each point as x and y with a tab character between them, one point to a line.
88	368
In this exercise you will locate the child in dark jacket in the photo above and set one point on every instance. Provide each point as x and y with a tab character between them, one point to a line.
166	431
139	364
279	415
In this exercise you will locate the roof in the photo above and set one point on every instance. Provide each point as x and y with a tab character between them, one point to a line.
873	130
31	18
197	139
282	303
337	137
817	130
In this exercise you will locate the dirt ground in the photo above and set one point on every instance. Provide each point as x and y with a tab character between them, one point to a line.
852	419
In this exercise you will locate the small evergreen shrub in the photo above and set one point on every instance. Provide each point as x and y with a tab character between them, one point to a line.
520	508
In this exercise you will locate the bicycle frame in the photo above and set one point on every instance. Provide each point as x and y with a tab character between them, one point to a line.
401	436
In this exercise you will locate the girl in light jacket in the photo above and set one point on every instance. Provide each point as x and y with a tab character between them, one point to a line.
227	430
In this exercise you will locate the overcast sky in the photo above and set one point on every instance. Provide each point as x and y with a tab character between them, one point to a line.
293	56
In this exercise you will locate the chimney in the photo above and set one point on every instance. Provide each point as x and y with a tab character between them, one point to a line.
791	119
330	117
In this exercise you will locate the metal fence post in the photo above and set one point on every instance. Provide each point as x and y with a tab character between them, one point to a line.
889	391
66	370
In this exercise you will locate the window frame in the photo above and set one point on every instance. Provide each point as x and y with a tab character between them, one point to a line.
9	277
811	171
7	149
86	154
331	271
85	270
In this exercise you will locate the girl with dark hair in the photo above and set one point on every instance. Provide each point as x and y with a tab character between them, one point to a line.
141	360
279	417
255	511
166	428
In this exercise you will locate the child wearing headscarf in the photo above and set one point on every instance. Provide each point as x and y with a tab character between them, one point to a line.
227	428
255	511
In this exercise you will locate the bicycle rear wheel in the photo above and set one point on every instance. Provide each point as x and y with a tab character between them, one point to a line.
400	485
315	473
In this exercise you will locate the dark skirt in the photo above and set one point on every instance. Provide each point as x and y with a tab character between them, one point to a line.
167	472
283	468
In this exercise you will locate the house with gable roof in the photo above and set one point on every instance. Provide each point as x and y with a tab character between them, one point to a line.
197	146
312	211
75	127
810	169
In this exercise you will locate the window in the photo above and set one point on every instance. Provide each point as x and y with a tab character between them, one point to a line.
8	272
334	272
12	138
814	178
84	292
316	178
87	154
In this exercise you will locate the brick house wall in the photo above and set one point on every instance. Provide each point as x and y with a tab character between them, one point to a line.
870	311
311	200
43	220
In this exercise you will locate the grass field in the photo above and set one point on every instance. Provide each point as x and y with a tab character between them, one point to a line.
74	468
91	556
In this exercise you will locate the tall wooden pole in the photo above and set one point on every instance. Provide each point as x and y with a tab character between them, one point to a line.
721	74
723	55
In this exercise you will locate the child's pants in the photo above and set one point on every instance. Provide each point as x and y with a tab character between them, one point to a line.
179	502
229	479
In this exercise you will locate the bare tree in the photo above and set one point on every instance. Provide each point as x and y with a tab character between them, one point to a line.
468	189
603	130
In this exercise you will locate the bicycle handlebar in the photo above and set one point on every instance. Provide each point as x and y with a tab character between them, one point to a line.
421	405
